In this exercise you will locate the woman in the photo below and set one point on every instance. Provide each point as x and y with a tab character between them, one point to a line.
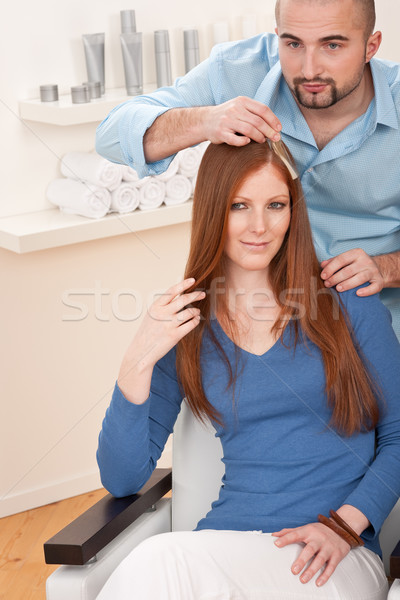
296	383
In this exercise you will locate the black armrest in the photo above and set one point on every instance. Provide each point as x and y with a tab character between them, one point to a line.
395	562
79	541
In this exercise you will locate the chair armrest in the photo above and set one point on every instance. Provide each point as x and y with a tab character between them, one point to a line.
395	562
79	541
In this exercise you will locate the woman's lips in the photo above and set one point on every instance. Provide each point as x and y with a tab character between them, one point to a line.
255	245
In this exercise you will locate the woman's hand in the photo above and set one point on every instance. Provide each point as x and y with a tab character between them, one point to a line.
322	546
167	321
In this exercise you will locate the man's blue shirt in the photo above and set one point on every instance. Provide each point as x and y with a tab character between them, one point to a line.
352	186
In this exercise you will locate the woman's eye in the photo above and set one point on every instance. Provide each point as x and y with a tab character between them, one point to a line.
277	205
237	206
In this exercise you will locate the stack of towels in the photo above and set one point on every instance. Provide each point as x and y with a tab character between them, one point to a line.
92	186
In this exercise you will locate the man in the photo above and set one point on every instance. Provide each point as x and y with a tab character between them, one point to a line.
316	85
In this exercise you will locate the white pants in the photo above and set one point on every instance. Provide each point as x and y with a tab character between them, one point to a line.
235	565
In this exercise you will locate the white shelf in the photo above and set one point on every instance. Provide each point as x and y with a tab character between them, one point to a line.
64	112
52	228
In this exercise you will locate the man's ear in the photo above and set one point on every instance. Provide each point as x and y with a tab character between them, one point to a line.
373	43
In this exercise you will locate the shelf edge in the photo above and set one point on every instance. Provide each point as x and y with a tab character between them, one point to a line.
85	230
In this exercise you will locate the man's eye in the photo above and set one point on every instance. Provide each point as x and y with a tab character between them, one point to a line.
333	46
294	45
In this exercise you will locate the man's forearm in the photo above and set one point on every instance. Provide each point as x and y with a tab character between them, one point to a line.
234	122
389	266
173	131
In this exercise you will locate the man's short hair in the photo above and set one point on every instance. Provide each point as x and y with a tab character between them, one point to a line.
365	10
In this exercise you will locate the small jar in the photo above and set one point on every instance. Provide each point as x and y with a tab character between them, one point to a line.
94	89
49	93
80	94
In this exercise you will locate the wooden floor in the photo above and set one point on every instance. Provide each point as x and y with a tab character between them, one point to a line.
23	571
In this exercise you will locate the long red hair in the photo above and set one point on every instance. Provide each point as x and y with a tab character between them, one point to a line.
313	310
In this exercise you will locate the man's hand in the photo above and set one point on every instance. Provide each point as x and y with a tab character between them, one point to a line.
245	116
180	128
323	549
351	269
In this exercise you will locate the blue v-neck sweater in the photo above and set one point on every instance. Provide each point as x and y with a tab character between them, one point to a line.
284	463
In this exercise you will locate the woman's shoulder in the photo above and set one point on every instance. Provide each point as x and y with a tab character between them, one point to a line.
365	311
353	302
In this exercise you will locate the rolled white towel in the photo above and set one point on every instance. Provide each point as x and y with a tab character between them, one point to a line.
171	171
89	166
203	146
177	190
125	198
189	161
129	174
193	182
78	198
151	194
141	182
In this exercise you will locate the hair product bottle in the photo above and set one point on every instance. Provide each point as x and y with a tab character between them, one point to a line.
131	46
191	46
163	57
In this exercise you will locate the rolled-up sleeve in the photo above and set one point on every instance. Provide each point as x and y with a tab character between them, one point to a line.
119	137
233	69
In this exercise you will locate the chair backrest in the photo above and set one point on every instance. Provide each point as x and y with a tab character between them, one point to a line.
197	471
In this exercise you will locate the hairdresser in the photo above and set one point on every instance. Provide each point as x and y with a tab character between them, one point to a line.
316	85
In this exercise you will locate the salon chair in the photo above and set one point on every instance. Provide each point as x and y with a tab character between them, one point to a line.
92	546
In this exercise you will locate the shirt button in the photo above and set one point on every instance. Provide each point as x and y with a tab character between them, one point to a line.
310	170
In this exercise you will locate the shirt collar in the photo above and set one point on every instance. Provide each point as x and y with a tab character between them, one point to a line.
386	112
275	93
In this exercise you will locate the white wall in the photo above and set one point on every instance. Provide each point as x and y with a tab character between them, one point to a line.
56	374
387	21
59	365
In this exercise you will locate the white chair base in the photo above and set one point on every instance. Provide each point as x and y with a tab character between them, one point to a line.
85	582
394	592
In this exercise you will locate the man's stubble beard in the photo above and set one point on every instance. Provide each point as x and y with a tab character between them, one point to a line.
335	95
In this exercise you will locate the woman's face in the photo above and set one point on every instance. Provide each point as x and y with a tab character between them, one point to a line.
258	221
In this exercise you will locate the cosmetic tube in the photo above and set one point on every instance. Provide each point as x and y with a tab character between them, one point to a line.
131	46
128	21
94	54
163	58
191	46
